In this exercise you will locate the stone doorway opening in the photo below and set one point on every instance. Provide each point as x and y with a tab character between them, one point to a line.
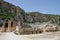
1	24
6	27
11	24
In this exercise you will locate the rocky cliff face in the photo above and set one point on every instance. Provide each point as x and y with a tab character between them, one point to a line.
8	11
40	17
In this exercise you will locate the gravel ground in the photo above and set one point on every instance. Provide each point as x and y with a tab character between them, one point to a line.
43	36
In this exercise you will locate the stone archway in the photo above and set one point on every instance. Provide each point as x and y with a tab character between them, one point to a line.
7	26
13	26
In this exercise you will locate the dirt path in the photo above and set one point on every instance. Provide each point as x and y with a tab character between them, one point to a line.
43	36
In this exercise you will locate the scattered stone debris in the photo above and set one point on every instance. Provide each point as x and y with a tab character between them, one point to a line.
37	30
